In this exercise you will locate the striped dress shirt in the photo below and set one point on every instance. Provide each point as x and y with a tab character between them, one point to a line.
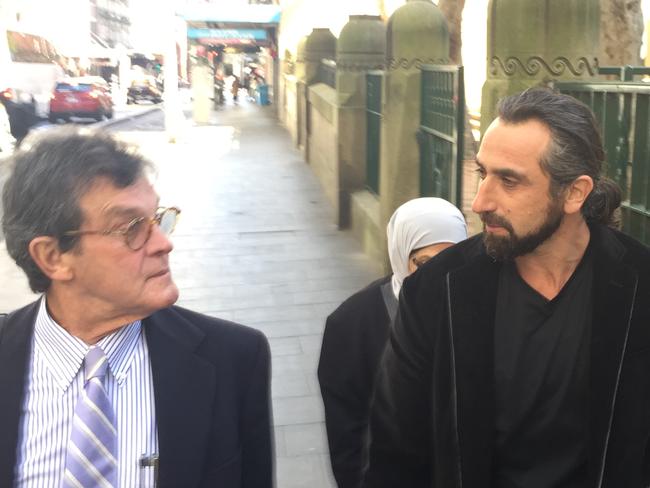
53	383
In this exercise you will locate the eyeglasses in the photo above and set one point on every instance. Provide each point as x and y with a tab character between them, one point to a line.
137	232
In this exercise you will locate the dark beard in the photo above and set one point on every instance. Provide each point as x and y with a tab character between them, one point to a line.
505	248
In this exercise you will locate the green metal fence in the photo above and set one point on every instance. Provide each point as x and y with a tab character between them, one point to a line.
441	132
327	72
623	111
624	73
373	129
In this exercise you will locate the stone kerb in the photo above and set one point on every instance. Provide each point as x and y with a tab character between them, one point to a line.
531	42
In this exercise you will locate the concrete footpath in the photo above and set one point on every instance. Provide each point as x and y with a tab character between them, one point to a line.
255	244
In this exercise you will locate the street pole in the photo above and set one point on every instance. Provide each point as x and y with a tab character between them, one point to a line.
173	113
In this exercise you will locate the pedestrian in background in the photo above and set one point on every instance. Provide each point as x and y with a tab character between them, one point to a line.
357	331
519	358
22	117
104	381
235	89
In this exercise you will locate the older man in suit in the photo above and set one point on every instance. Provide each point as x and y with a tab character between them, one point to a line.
105	383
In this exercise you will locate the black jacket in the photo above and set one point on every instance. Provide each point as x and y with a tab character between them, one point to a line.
354	339
212	393
432	421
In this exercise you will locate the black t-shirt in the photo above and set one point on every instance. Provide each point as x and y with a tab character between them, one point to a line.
541	367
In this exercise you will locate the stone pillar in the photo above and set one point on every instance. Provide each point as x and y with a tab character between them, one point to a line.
417	34
301	91
320	44
361	47
531	42
201	90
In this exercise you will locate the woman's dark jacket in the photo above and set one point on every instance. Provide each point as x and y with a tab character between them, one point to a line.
354	339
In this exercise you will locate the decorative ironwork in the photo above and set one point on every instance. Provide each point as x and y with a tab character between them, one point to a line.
404	63
533	65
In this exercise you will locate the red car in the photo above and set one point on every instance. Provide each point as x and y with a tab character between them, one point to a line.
87	96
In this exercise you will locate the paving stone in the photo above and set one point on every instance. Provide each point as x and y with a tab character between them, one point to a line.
305	439
297	410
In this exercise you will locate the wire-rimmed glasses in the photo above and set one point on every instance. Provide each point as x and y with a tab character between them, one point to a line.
137	232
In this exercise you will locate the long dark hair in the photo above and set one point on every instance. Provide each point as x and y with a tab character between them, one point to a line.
576	147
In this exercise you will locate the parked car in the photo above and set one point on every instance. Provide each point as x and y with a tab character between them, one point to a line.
144	89
87	96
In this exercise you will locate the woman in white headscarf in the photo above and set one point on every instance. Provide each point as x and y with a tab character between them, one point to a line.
357	331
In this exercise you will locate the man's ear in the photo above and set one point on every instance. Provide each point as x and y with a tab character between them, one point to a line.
45	252
577	193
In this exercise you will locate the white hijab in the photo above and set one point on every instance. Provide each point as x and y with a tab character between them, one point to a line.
419	223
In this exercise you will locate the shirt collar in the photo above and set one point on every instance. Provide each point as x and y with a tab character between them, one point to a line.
63	353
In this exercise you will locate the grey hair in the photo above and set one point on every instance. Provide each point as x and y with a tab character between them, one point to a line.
576	147
41	195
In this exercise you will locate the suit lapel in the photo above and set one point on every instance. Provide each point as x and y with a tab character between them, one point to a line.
15	340
472	300
184	386
614	290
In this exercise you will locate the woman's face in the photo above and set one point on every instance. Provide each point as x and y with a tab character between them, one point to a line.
420	256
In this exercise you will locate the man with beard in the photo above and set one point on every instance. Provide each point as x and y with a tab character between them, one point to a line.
519	357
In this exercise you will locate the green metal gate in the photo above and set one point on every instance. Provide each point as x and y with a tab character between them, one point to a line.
623	112
441	132
373	129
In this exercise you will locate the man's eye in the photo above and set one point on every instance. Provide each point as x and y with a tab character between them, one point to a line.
508	182
480	172
134	228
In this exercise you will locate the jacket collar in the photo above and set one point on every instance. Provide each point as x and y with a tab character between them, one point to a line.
472	294
184	389
614	294
15	345
472	299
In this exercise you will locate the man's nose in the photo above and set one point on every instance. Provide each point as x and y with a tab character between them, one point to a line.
484	198
159	242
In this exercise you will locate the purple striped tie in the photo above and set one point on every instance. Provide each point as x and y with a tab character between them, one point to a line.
92	450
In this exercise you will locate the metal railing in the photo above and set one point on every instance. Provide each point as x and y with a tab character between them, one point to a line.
374	80
623	112
327	72
441	134
625	73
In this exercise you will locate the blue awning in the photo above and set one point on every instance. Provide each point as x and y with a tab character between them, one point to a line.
227	34
213	12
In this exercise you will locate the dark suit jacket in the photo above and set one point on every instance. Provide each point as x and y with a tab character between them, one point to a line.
433	416
354	339
212	392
